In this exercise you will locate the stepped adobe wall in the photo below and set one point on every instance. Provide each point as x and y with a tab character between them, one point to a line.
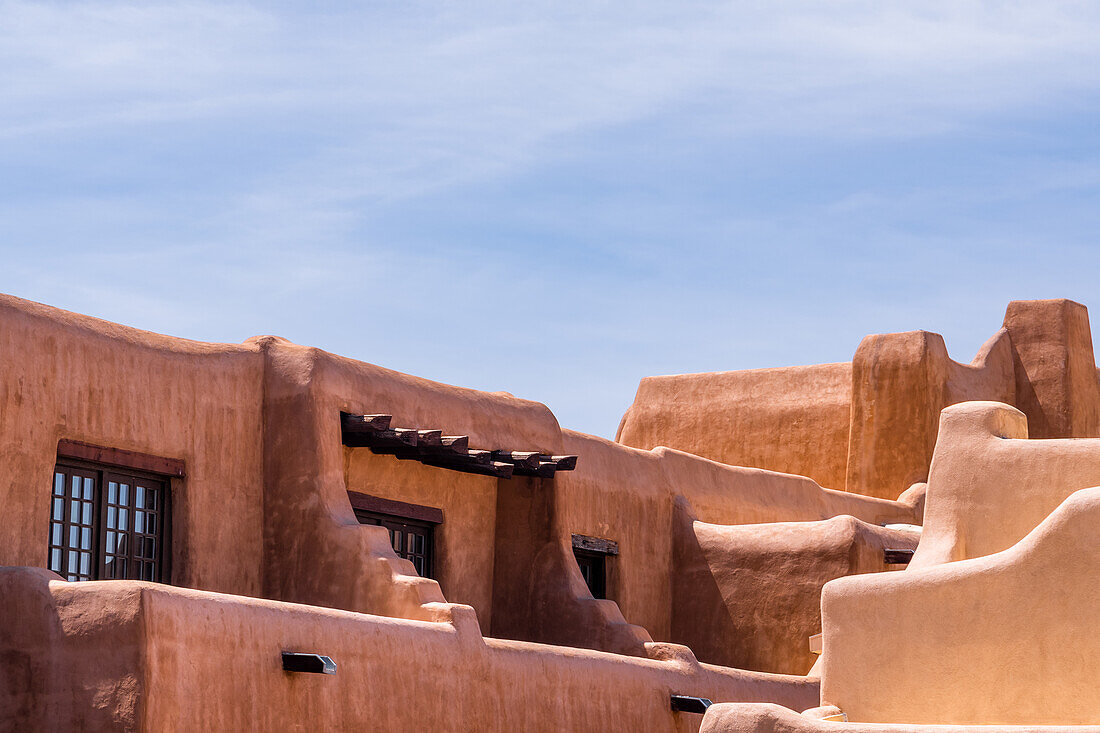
869	426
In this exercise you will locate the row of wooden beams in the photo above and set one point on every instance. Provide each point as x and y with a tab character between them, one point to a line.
433	448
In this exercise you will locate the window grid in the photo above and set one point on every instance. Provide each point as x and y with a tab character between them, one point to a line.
107	525
72	523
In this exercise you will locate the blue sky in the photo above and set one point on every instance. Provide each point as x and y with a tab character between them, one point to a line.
552	199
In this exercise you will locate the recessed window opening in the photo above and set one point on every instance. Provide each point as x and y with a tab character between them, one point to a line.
409	539
593	567
592	555
108	521
411	527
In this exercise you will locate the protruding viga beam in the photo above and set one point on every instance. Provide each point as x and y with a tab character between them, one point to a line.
433	448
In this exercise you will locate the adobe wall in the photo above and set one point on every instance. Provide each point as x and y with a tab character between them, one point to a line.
792	419
1008	638
188	660
622	494
750	594
869	426
989	486
464	542
901	381
647	501
316	550
263	509
1055	368
769	718
64	375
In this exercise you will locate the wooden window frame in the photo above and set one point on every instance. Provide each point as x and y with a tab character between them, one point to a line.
592	553
404	518
118	458
133	469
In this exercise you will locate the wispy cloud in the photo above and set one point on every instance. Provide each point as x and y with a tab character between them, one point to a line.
661	186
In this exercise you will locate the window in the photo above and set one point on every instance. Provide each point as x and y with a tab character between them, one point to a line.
410	540
594	570
107	522
411	527
591	554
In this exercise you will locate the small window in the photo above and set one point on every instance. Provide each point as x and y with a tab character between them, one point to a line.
593	567
411	527
410	539
107	522
591	554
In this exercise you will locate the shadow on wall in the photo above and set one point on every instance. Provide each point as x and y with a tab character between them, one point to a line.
748	596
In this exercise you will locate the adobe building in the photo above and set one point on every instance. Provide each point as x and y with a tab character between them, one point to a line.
265	536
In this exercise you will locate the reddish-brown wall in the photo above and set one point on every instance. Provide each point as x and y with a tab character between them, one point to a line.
749	595
901	381
68	376
869	426
792	419
1055	369
464	542
504	546
123	655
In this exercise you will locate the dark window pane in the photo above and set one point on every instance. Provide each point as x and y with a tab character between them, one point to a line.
593	569
410	539
101	540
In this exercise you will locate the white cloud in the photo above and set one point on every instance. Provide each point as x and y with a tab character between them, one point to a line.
365	106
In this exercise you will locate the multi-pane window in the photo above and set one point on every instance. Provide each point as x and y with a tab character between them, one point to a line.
107	523
410	539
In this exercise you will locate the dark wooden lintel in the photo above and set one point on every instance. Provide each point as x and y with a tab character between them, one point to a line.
368	503
118	457
544	469
595	544
548	466
432	438
564	463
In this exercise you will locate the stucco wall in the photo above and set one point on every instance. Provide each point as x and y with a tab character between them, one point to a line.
770	718
901	381
1008	638
750	594
64	375
504	546
315	549
187	660
647	500
792	419
989	486
464	542
622	494
869	426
